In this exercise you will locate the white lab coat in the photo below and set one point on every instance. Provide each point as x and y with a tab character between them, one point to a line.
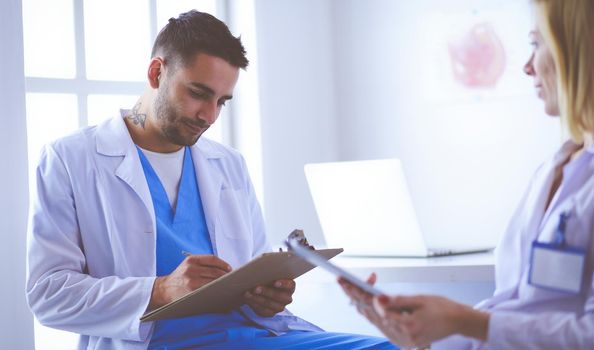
531	318
92	233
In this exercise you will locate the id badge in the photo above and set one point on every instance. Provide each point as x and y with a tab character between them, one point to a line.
557	268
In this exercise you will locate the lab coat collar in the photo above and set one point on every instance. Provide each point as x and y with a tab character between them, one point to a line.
566	149
113	139
590	149
560	157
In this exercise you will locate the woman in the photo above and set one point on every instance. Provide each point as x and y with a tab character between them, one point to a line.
544	297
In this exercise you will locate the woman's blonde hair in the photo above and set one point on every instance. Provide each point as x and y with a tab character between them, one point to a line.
568	28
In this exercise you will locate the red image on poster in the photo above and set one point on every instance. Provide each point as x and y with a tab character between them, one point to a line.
478	57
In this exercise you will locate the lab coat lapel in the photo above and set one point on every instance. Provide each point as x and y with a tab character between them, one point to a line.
113	139
538	201
210	185
514	251
567	148
130	171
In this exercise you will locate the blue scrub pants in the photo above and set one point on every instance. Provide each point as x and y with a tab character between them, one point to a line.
295	340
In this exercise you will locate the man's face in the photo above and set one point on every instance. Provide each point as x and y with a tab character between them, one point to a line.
189	99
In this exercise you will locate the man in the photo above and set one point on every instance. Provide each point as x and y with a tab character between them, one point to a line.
143	195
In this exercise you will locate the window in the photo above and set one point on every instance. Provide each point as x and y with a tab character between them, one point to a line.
83	61
77	52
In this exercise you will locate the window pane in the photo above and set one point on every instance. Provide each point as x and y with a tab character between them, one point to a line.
102	107
172	8
48	31
49	116
117	42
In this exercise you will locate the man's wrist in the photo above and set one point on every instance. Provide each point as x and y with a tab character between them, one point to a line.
157	295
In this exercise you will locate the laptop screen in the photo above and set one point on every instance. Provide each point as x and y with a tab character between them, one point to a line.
365	207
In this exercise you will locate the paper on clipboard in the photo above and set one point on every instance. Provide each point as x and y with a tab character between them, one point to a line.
226	292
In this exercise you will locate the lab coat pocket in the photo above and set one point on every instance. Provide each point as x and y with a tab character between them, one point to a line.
576	238
233	214
574	232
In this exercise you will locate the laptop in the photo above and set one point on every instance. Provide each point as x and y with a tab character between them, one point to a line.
365	207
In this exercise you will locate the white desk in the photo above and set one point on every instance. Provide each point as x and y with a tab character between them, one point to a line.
466	278
477	267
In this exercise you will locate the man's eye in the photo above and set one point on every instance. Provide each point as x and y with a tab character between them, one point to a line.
197	94
222	103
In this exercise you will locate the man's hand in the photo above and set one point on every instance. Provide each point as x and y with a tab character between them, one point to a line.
269	300
194	272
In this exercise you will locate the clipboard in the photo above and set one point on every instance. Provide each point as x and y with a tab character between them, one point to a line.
226	292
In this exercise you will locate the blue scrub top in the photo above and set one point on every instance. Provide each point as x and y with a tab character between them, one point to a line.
185	230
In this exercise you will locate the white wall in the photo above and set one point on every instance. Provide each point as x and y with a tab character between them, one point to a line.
467	160
349	80
298	115
16	325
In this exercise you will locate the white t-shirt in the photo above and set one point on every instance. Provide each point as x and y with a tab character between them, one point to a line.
168	167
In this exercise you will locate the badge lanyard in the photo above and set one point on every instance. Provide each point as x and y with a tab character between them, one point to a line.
557	266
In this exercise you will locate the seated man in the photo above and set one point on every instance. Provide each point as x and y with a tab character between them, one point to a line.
117	206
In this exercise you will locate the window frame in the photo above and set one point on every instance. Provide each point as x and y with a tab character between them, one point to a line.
81	86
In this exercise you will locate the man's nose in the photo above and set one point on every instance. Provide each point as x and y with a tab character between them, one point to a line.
209	112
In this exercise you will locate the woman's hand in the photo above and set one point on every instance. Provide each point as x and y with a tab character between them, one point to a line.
364	303
430	318
417	321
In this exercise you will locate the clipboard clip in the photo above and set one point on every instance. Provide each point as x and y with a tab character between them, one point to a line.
299	237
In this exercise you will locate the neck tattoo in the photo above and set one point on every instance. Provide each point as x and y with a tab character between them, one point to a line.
136	117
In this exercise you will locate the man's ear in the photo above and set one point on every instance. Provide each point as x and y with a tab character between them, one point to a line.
155	71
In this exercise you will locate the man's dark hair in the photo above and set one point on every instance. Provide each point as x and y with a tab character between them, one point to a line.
198	32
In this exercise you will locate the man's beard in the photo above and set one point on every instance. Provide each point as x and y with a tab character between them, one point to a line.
170	121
